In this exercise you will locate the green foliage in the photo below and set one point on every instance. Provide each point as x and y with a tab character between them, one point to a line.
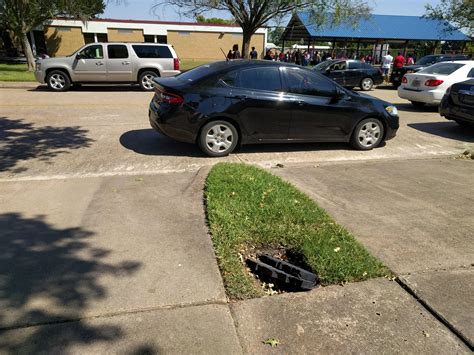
248	207
459	13
214	20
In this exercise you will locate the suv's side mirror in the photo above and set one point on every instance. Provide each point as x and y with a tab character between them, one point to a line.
78	56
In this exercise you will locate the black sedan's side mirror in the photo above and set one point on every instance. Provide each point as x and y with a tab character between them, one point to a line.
328	70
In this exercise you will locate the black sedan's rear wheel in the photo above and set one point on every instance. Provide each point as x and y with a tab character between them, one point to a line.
368	134
218	138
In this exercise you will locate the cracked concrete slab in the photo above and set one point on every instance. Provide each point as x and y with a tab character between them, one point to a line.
450	294
371	317
207	329
88	247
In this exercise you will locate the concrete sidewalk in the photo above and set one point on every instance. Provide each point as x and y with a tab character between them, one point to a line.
416	216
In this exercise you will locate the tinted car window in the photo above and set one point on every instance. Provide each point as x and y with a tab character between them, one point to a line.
92	52
339	66
307	83
428	60
230	78
471	73
442	68
366	66
152	51
259	79
354	65
117	51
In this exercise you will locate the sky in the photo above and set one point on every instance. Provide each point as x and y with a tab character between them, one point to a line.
141	9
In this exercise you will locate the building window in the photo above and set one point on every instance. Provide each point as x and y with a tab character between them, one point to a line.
102	37
88	38
124	30
183	33
159	39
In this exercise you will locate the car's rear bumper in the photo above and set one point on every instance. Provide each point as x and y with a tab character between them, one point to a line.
170	127
453	112
166	73
426	96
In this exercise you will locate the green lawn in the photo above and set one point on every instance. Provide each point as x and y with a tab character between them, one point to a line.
15	72
248	207
19	72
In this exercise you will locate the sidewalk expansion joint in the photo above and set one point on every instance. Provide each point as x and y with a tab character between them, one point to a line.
116	314
433	312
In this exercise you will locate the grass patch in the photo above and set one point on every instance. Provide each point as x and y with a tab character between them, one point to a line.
187	64
250	208
15	72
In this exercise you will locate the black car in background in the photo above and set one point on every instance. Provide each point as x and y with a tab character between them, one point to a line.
422	63
350	73
223	104
458	103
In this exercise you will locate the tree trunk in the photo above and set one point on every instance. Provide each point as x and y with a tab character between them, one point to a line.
28	52
247	36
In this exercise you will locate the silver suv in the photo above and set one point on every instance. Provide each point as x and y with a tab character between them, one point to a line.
109	63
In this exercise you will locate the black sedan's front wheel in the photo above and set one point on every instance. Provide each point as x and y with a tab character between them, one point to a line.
218	138
368	134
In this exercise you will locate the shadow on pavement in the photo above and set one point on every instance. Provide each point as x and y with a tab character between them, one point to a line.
95	88
150	142
51	275
446	129
20	140
407	107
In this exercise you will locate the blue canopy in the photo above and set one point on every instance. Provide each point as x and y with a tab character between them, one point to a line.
388	27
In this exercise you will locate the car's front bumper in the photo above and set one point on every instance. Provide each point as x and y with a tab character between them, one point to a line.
426	96
40	76
453	112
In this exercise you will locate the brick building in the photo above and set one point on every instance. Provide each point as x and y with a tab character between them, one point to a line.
195	41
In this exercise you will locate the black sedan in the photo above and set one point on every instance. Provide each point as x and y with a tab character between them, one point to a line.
458	103
351	73
223	104
424	62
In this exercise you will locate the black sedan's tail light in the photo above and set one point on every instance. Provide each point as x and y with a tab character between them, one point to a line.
171	98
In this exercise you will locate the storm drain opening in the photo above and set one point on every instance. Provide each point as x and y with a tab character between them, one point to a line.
280	270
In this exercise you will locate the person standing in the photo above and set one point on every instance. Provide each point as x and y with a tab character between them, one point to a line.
236	53
253	53
387	61
399	61
410	60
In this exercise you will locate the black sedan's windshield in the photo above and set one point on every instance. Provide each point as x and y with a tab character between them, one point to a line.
323	65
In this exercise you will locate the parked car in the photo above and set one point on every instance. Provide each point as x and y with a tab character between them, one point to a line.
223	104
429	85
109	63
458	103
351	73
422	63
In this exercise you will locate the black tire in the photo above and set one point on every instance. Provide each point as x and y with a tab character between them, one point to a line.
58	80
418	104
367	84
146	80
218	138
368	134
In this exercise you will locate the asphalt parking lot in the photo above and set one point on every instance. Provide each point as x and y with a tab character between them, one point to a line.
101	220
101	131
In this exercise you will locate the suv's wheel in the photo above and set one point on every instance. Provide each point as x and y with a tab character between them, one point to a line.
218	138
58	80
146	80
366	84
368	134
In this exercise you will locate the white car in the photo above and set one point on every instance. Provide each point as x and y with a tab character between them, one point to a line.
429	85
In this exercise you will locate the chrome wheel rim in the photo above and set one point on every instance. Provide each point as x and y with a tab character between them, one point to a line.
147	81
57	81
219	138
369	134
367	84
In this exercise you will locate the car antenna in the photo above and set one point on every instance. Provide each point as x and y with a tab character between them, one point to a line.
225	56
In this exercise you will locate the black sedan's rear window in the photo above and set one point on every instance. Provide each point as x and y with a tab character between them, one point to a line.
147	51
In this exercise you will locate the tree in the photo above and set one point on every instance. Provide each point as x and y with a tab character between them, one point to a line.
253	14
214	20
22	16
457	13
